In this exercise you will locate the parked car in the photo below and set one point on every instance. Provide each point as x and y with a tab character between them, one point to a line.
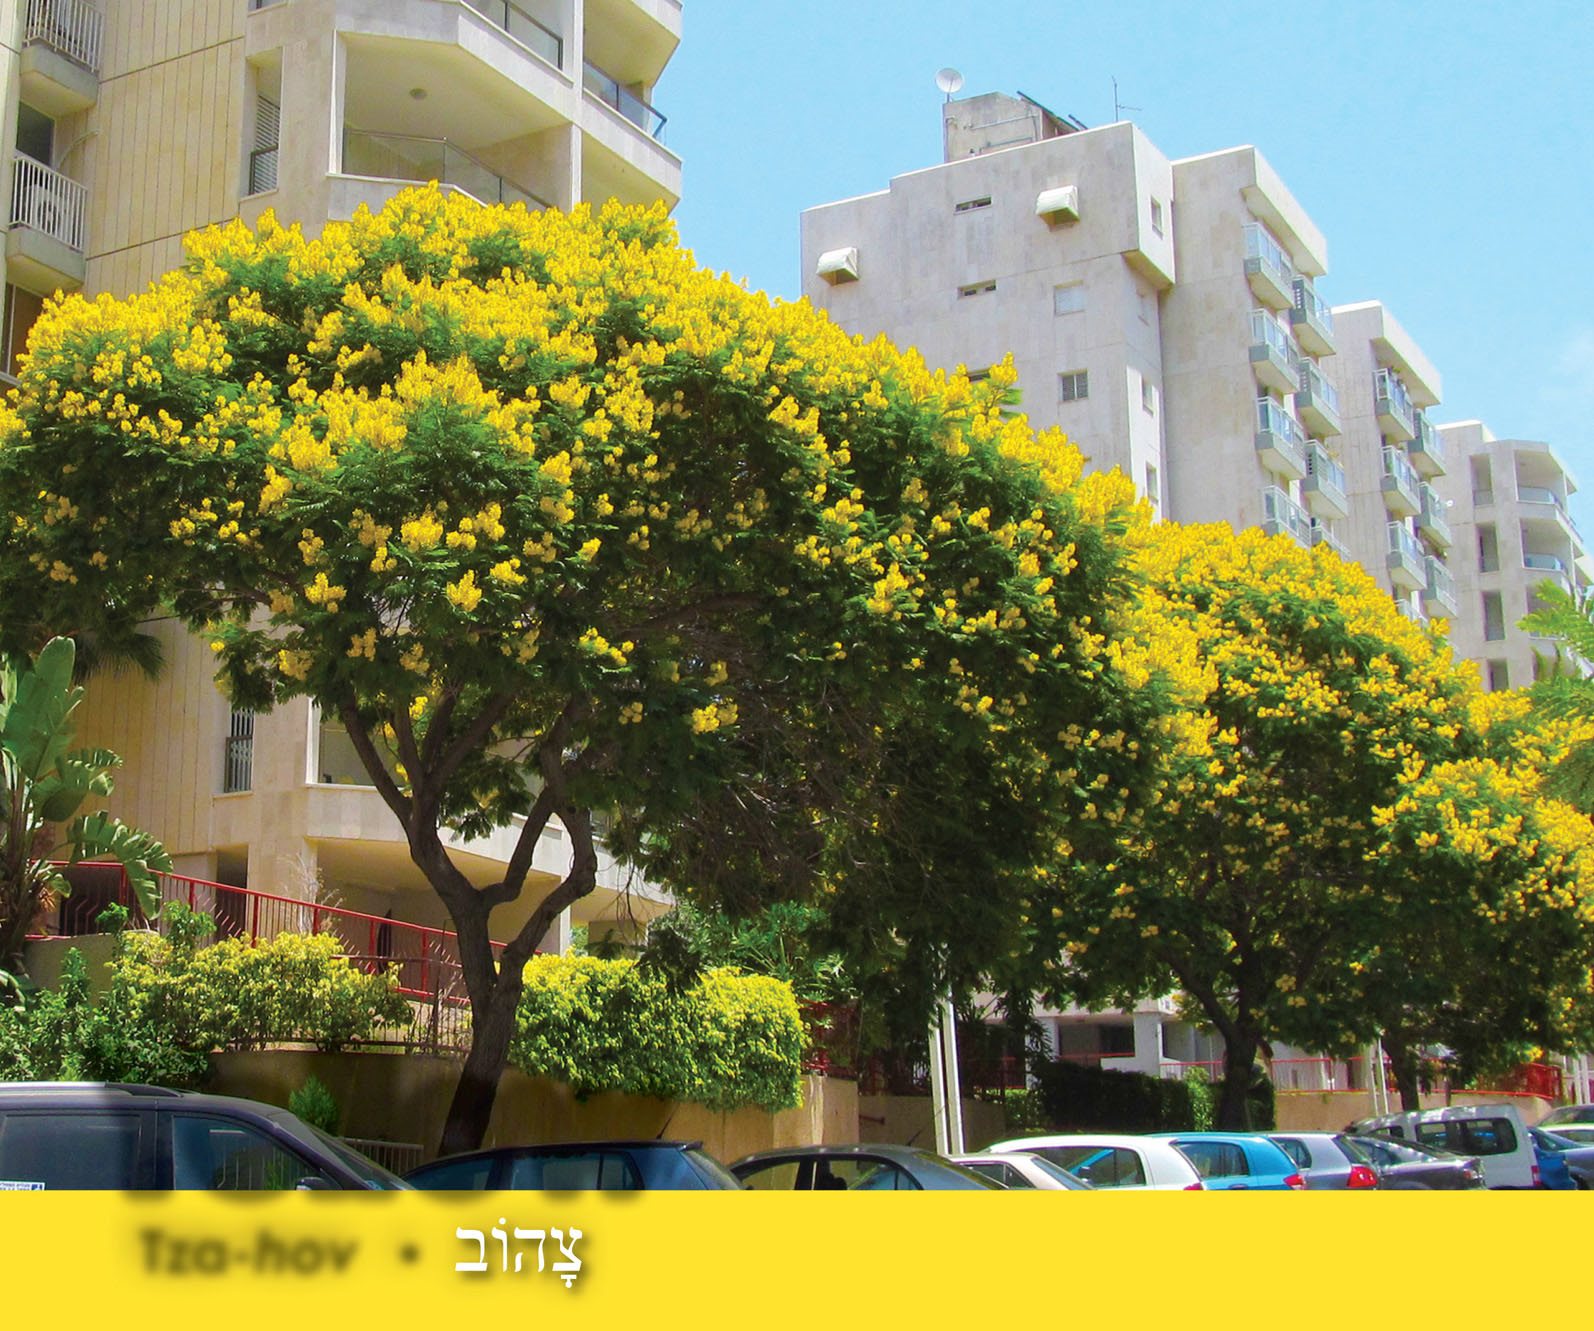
1494	1133
865	1167
1020	1169
1567	1115
1238	1161
1327	1160
617	1166
1580	1133
1111	1160
1411	1166
1563	1162
105	1135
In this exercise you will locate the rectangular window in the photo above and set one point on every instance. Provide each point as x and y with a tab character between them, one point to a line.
1488	549
969	205
1493	617
1153	486
1156	216
976	289
1069	298
238	758
1498	675
263	158
1073	385
1148	394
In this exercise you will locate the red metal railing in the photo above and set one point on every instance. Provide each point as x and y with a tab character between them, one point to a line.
426	958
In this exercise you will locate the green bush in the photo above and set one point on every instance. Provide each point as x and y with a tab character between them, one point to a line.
728	1041
1078	1098
316	1105
1023	1111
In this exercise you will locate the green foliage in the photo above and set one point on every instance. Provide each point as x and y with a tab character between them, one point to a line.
1203	1104
728	1041
1024	1111
316	1105
783	940
236	995
43	784
1087	1099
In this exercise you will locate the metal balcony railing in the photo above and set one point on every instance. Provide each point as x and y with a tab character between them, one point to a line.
1281	515
48	202
536	37
412	157
1397	465
1262	247
609	90
71	27
1314	383
1404	543
1312	307
1266	330
1392	399
1327	471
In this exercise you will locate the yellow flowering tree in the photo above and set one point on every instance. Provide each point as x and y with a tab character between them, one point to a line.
558	524
1307	705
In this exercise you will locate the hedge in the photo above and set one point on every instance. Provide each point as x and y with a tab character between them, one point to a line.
1097	1100
729	1041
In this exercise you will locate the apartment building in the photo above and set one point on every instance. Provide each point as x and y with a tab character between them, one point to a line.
1508	506
135	121
1165	314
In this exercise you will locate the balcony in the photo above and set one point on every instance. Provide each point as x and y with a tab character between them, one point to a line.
537	38
1280	442
44	249
1323	534
1439	595
1405	560
1324	485
61	55
1426	448
409	157
1392	404
1431	521
1551	506
1317	402
615	95
1313	321
1411	611
1268	268
1282	516
1274	355
1402	490
1552	566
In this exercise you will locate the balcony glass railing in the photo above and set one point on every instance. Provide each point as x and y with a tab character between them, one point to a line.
71	27
1312	306
1399	467
1261	246
1441	585
1537	494
1313	381
1282	515
1328	472
48	202
1545	563
611	92
1403	541
409	157
1425	438
1273	419
536	37
1267	331
1323	534
1433	511
1391	396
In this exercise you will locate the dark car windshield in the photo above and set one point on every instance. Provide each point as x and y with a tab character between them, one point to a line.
1413	1152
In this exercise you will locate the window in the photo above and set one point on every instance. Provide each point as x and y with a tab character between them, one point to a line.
1115	1041
22	307
1148	394
35	134
1215	1160
1470	1136
1488	549
1497	676
1104	1166
977	288
1153	486
781	1176
1493	617
263	159
1296	1150
969	205
1156	216
237	770
220	1155
1069	298
577	1171
69	1150
1073	385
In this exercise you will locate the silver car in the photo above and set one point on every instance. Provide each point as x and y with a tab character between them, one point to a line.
1328	1160
1022	1169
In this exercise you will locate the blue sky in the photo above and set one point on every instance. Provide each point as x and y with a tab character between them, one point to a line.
1443	148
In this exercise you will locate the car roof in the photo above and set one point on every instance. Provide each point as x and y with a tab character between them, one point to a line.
101	1092
888	1150
531	1148
1126	1139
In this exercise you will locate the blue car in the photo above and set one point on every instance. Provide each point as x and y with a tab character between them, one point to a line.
1549	1154
1235	1161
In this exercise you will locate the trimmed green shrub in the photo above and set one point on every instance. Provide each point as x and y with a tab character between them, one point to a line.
316	1105
728	1041
1098	1100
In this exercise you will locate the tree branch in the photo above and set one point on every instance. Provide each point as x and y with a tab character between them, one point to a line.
392	796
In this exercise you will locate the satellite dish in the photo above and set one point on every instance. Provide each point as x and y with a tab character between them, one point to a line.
948	81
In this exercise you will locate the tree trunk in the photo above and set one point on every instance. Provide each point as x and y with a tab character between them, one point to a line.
471	1109
1239	1059
1407	1067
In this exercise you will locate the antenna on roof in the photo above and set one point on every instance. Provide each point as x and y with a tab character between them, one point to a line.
1118	108
948	81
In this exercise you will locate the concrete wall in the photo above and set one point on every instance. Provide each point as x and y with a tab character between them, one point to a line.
907	1120
394	1097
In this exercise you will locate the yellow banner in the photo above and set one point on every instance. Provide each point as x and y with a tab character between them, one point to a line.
314	1260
